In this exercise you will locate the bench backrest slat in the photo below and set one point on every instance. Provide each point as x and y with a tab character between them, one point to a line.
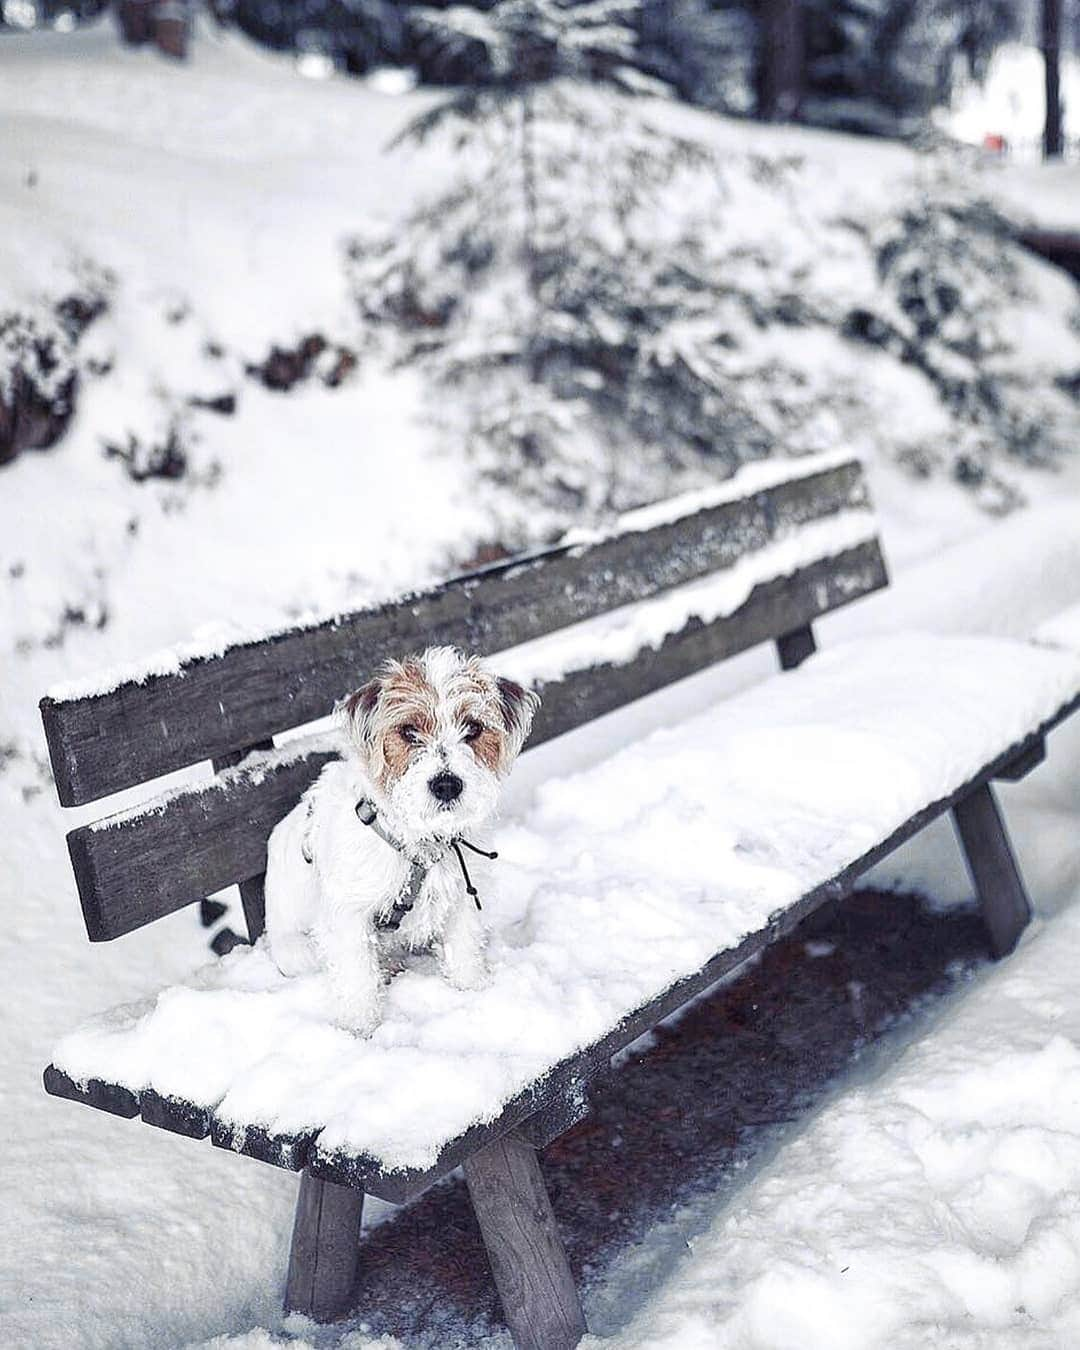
104	741
141	865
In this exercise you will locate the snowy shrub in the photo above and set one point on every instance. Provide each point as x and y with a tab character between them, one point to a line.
285	367
165	459
950	279
38	382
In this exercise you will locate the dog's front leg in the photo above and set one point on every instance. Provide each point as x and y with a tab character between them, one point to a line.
461	950
350	954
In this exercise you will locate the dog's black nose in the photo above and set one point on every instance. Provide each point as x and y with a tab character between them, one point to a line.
446	786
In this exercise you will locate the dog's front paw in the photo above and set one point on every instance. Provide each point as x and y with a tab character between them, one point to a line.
471	974
294	954
358	1021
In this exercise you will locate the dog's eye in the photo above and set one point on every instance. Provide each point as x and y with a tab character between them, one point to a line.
473	731
409	734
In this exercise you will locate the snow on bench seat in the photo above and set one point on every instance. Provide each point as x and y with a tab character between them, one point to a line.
1062	630
615	883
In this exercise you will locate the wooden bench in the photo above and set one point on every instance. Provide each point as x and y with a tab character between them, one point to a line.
761	558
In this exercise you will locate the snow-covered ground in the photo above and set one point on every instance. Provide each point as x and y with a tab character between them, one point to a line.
934	1201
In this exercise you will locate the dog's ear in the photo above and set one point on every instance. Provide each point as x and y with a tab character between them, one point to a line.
518	708
357	711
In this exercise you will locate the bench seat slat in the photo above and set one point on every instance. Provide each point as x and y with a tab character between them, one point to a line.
1025	693
102	742
137	867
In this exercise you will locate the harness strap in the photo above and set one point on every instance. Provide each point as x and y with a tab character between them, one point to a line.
367	813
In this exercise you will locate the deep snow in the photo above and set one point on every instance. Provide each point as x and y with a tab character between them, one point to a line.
946	1185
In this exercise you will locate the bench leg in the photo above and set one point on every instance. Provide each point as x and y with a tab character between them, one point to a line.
528	1261
1002	899
325	1249
794	648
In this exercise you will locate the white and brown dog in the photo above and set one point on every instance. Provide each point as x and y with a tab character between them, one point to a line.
368	865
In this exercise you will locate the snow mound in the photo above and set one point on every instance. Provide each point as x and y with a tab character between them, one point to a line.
613	884
934	1206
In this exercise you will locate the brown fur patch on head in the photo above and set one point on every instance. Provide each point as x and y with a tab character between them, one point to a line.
406	717
490	750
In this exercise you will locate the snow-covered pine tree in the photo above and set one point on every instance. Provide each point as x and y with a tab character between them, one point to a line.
528	43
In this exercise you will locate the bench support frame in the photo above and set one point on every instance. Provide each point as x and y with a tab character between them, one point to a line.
528	1261
325	1252
795	647
1003	901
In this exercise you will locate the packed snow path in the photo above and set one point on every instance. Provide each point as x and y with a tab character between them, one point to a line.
620	881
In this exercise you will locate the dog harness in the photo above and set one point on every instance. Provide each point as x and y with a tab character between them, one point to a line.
367	813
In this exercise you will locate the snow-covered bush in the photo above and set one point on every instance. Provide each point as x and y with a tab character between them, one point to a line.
950	279
38	381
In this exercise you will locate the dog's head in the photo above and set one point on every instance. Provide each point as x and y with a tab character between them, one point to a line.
436	732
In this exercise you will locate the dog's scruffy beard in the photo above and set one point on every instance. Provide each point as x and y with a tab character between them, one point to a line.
435	733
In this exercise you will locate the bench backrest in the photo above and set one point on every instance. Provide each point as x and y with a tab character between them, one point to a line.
767	553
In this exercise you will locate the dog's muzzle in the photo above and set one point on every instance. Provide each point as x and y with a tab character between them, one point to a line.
446	787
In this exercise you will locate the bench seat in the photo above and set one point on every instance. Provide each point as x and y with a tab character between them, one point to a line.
656	870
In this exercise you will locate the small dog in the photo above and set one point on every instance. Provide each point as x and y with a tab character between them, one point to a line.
368	865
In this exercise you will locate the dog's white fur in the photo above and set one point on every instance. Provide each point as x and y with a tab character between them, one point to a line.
438	713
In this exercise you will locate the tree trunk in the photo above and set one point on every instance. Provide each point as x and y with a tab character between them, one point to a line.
1053	137
783	58
135	19
531	206
172	21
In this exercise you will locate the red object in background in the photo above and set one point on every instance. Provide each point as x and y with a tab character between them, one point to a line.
996	144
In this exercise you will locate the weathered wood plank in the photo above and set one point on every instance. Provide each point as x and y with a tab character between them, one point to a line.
1003	902
325	1250
118	1101
288	1151
555	1117
175	1114
539	1299
1022	765
130	870
141	730
135	868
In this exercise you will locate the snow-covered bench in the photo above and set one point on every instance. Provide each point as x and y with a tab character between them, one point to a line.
622	891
